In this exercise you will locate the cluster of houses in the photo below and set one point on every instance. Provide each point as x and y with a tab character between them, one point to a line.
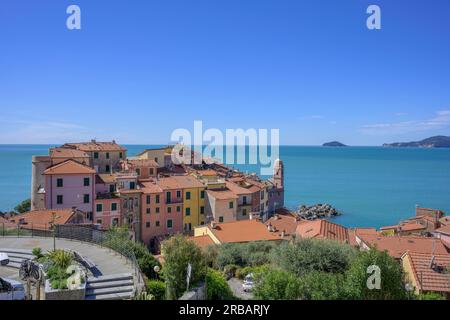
96	183
149	193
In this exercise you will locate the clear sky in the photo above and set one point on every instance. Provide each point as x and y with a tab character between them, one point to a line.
137	70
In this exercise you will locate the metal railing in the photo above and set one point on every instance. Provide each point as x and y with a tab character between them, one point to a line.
82	233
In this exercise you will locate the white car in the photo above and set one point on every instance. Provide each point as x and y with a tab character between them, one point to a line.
4	259
248	284
11	290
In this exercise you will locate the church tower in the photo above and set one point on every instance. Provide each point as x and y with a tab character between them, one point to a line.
278	174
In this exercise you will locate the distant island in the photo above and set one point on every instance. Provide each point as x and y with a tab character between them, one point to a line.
334	144
433	142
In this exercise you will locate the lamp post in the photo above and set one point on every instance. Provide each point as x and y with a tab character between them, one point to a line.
54	217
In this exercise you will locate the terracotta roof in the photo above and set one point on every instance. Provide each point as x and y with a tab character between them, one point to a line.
150	187
445	220
389	228
237	189
444	230
283	222
207	173
322	229
429	271
6	223
222	194
428	212
411	227
69	167
67	153
42	219
95	146
242	231
142	163
202	241
185	182
106	178
396	246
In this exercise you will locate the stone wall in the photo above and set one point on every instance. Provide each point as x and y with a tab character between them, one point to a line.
197	293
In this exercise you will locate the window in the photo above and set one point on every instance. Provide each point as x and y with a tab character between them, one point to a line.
120	155
157	198
148	199
188	195
99	221
107	168
147	224
178	194
115	222
59	183
231	205
202	223
150	171
112	188
202	194
244	212
148	210
244	200
169	210
220	219
168	197
262	195
95	155
178	209
114	206
156	160
169	224
188	211
157	210
87	182
157	223
107	155
132	185
59	199
99	207
86	198
138	171
202	210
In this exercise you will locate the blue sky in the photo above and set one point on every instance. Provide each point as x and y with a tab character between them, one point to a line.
137	70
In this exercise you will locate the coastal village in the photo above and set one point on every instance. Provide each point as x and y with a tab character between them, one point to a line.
96	184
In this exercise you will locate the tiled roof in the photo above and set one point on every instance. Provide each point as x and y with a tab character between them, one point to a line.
445	220
67	153
95	146
42	219
185	182
142	163
242	231
69	167
283	222
389	228
237	189
396	246
411	227
222	194
429	271
322	229
428	212
106	178
202	241
6	223
444	230
150	187
207	173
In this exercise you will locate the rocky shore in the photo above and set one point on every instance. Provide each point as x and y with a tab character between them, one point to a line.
318	211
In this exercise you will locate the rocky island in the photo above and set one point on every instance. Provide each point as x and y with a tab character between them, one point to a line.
318	211
433	142
334	144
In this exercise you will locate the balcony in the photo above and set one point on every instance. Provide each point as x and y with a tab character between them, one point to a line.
106	196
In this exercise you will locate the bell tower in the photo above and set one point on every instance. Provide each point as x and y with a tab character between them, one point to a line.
278	174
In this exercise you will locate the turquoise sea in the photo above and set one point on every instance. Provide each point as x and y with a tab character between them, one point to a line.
371	186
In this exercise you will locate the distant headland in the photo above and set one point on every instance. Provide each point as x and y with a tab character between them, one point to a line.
433	142
333	144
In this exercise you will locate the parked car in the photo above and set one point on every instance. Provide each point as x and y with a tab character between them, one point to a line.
11	290
248	284
4	259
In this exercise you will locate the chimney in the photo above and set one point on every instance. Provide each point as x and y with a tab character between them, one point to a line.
283	233
93	141
213	225
114	141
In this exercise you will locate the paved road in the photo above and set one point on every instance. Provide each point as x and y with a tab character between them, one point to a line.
236	288
106	260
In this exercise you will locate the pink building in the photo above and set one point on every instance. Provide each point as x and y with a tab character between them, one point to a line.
107	204
70	184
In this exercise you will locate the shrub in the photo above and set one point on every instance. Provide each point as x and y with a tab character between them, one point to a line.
321	286
217	287
37	253
230	270
277	285
178	253
243	272
307	255
244	254
157	289
430	296
62	259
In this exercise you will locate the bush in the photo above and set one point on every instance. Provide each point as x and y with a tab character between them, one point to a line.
157	289
217	287
307	255
430	296
61	259
230	270
178	253
37	253
277	285
24	206
357	277
244	254
243	272
321	286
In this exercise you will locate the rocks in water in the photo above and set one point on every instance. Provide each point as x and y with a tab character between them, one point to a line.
318	211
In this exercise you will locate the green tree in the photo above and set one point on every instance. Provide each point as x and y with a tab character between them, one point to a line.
277	285
391	276
306	255
321	286
178	253
249	254
217	287
157	289
24	206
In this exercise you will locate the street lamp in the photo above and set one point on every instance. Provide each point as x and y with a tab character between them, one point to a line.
54	217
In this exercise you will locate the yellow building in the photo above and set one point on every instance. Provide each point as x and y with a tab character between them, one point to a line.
193	201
